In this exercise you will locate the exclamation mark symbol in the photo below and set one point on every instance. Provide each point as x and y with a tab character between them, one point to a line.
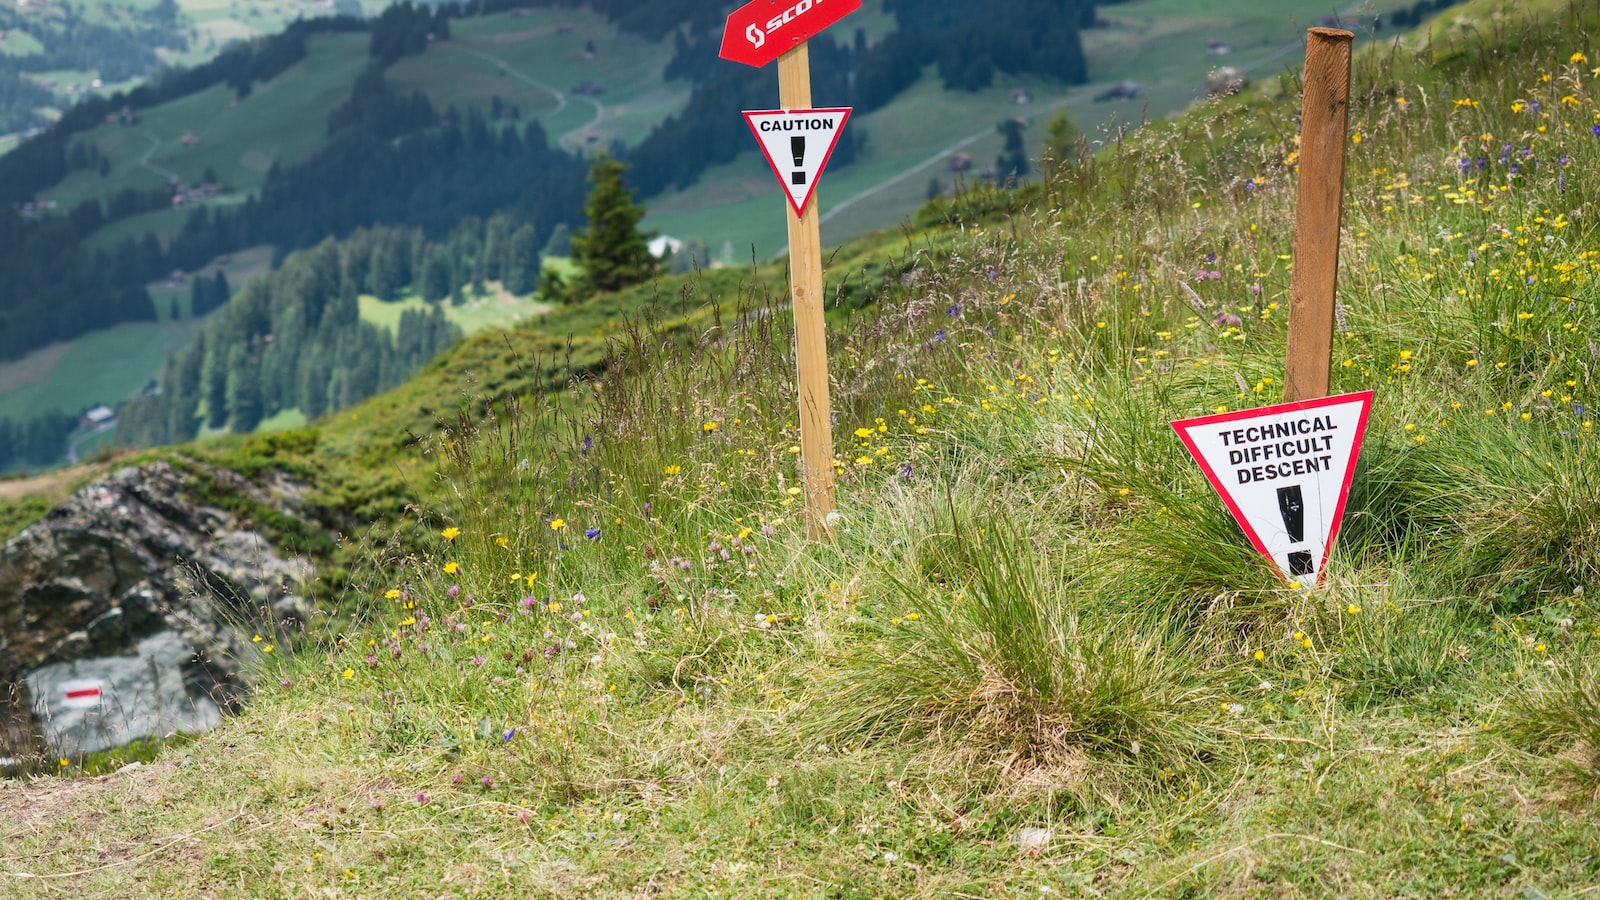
797	146
1292	506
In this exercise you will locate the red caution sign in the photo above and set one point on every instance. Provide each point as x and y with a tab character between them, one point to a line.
761	31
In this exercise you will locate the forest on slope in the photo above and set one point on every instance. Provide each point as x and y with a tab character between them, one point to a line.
391	159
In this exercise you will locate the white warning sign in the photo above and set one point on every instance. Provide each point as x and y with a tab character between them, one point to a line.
798	144
1284	472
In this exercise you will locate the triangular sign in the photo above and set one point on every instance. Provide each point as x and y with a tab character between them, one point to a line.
1284	472
798	144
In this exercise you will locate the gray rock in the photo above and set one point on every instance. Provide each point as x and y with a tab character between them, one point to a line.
136	589
89	705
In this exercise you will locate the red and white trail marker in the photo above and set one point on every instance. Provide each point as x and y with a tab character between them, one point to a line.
760	32
82	693
798	144
1284	472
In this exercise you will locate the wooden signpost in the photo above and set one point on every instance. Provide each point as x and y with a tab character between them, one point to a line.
1284	471
1324	117
757	34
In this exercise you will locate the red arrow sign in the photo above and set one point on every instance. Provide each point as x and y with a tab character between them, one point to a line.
763	30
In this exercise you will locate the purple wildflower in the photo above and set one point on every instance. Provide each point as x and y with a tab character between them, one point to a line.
1227	319
478	660
510	733
453	591
487	782
939	336
954	310
1250	185
422	798
592	534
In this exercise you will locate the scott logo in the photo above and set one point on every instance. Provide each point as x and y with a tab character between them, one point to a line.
758	37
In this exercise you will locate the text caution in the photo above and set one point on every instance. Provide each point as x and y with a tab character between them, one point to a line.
82	693
1284	472
798	144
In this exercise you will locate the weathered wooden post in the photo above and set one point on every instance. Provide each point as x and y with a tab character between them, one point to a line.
1324	118
1284	471
810	325
798	141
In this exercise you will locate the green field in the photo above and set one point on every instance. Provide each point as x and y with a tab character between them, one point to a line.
283	120
495	311
209	26
1160	44
110	365
534	60
103	367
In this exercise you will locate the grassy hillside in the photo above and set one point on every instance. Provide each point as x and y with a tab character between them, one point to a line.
206	27
600	658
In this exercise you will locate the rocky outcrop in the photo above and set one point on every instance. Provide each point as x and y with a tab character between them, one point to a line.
127	612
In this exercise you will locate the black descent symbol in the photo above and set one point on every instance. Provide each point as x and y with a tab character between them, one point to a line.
1292	505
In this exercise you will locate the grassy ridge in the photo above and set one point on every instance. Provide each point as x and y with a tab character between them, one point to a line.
602	660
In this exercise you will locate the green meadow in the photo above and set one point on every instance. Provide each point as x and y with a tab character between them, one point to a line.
589	650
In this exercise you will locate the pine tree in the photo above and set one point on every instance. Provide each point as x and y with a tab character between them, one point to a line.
1012	165
612	251
1060	145
244	391
199	298
214	378
436	274
522	261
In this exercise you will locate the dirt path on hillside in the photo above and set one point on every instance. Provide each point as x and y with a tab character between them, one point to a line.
33	368
155	144
561	99
57	484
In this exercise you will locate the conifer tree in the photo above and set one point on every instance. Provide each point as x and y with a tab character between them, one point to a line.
612	250
244	391
1013	162
522	261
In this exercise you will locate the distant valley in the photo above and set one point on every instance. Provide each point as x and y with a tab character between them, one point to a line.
450	123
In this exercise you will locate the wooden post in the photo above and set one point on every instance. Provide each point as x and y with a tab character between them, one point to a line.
1323	121
810	328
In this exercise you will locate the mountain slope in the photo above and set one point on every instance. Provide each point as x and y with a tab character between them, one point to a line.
600	658
906	148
